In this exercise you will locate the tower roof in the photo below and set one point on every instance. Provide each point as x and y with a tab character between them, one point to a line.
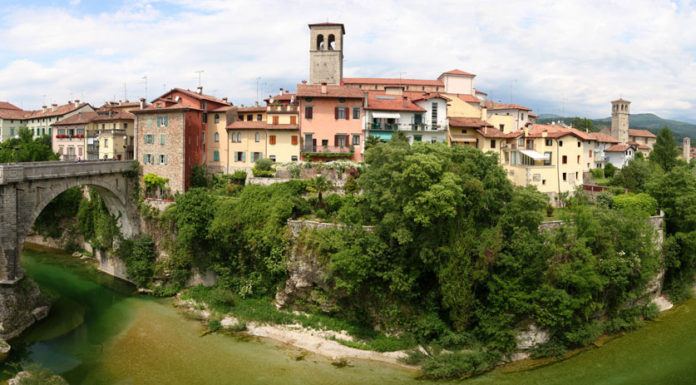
327	24
620	100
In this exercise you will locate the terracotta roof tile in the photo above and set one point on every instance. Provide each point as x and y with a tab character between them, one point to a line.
468	123
457	72
641	146
617	148
252	109
491	132
79	118
500	106
332	91
620	100
8	106
199	96
554	131
469	98
327	24
116	115
383	102
603	138
641	133
255	125
394	82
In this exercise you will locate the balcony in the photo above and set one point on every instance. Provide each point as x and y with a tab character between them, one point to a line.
382	126
283	108
327	151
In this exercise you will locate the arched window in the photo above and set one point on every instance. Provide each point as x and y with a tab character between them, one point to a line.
320	42
217	137
332	42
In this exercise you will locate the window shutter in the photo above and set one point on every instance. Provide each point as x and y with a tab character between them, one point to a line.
335	140
347	110
144	158
294	140
272	139
336	113
243	156
308	112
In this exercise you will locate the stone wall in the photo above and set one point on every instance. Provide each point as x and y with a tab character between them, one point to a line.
296	226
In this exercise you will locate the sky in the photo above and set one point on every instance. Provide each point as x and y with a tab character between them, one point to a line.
569	58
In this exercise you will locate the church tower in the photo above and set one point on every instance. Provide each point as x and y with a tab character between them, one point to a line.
326	53
619	120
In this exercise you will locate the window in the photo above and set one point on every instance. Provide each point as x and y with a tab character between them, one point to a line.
340	140
293	158
502	127
293	119
418	138
259	117
250	118
217	118
257	156
149	139
216	137
125	126
159	105
565	159
11	131
216	156
340	113
148	159
240	156
565	176
308	112
162	121
549	142
579	144
106	142
433	140
275	119
272	158
293	140
578	159
576	175
257	137
325	143
239	137
203	139
204	105
543	181
162	139
492	143
356	112
646	140
560	143
162	159
547	158
356	139
272	139
433	119
590	153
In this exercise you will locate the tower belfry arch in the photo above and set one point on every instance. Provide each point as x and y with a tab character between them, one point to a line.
326	53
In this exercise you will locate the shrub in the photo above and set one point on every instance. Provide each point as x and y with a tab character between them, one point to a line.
351	186
239	177
263	168
214	325
549	210
597	173
198	178
642	201
605	199
609	170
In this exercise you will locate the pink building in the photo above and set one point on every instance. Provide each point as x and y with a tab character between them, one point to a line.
68	136
330	122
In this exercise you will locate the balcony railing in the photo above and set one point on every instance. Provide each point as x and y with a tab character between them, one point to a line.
328	149
405	127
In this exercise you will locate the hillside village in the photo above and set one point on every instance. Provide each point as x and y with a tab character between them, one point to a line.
330	117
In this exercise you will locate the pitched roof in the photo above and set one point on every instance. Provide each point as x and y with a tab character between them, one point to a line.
224	109
480	92
469	98
36	114
468	123
491	132
327	24
618	148
79	118
394	82
13	114
252	109
199	96
620	100
8	106
283	96
385	102
641	146
255	125
332	91
641	133
417	97
116	115
457	72
554	131
603	138
500	106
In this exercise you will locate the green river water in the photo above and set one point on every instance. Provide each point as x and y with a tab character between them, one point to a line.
100	332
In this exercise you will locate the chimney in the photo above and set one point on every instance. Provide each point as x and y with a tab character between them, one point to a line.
54	107
43	108
687	148
224	99
287	91
304	82
323	88
77	103
200	90
281	90
142	103
79	115
405	101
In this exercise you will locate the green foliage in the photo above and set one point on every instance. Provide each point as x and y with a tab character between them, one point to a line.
351	186
664	152
26	149
635	175
642	201
97	225
609	170
217	298
263	168
597	173
549	210
154	183
460	364
52	220
139	256
319	185
239	177
194	213
214	325
584	124
198	176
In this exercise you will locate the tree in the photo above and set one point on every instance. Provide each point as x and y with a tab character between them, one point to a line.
24	148
198	178
583	124
664	152
319	185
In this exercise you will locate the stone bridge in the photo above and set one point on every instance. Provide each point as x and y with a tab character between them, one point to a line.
26	188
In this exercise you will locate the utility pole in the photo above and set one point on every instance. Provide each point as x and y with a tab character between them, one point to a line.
145	78
199	76
257	88
125	92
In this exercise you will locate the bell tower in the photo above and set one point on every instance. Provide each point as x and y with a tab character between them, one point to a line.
619	119
326	53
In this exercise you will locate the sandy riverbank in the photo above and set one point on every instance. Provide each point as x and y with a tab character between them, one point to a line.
315	341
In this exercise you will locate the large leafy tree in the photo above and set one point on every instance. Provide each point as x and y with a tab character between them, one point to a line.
24	148
664	152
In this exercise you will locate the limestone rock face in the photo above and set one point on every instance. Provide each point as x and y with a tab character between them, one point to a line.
531	338
304	273
21	305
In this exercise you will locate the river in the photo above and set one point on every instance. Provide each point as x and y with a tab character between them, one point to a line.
100	332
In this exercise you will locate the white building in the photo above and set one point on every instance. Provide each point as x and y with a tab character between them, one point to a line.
620	154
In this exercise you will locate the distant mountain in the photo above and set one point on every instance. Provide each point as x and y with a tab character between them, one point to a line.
650	122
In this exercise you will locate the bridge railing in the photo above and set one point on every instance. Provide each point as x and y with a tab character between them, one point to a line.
13	173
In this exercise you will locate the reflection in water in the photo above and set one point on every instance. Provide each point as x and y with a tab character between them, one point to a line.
98	333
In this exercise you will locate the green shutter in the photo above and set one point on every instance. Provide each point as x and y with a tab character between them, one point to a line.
144	158
166	160
162	139
243	156
216	156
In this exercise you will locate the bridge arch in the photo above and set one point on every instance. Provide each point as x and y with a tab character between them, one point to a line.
26	189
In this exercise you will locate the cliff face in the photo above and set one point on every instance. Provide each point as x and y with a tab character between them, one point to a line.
20	306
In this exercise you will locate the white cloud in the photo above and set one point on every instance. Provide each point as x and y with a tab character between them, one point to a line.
556	56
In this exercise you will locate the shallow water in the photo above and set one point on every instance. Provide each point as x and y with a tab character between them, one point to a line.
100	332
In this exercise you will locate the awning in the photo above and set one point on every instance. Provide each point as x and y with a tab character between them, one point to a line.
533	154
386	115
384	136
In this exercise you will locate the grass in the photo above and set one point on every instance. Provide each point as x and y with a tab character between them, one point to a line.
263	311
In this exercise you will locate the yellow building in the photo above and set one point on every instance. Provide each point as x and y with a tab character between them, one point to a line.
247	143
217	143
114	135
547	156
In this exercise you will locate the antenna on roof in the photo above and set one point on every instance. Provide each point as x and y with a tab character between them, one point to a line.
199	76
257	88
145	78
125	91
44	99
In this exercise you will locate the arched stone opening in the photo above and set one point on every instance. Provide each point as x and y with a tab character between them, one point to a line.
320	42
332	42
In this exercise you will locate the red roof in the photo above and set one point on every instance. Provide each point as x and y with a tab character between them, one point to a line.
8	106
469	98
457	72
223	109
79	118
198	96
500	106
385	102
618	148
603	138
251	109
480	92
417	97
393	82
554	131
620	100
255	125
327	24
282	97
641	146
332	91
641	133
468	123
116	115
37	114
491	132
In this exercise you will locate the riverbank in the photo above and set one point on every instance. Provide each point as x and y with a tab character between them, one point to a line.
321	342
